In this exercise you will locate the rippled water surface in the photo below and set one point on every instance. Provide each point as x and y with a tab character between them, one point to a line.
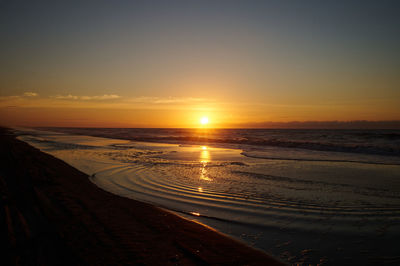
300	205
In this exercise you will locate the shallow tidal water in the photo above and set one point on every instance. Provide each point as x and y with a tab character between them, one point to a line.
299	205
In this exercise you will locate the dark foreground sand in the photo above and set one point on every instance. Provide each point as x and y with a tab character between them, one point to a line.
52	214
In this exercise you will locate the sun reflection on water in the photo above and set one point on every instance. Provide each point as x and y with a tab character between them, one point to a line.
204	159
204	156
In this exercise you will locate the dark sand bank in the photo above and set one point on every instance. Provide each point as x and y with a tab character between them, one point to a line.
52	214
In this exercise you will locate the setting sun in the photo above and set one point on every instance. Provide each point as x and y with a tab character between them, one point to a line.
204	120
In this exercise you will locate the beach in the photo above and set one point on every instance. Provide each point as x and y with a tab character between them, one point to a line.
332	201
53	214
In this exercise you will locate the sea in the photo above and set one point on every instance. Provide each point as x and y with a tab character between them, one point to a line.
328	197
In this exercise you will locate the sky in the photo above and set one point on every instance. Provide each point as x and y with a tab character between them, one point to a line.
169	63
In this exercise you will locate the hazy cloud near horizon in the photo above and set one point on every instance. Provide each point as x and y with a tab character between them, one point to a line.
87	98
30	94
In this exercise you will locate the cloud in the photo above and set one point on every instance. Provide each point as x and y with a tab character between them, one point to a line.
101	97
179	100
135	100
109	101
11	97
30	94
66	97
25	94
168	100
87	98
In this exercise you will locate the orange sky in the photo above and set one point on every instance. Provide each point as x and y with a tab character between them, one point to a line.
113	111
153	64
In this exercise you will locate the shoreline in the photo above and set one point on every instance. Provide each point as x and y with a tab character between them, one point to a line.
55	215
202	137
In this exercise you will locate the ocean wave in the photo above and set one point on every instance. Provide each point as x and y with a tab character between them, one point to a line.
346	158
57	145
376	142
366	191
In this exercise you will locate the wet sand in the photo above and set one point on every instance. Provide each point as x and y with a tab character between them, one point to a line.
52	214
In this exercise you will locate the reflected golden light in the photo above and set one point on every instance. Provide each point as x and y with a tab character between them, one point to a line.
195	213
204	156
203	173
204	120
200	189
204	159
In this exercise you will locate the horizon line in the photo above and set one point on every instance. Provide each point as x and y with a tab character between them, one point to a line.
329	124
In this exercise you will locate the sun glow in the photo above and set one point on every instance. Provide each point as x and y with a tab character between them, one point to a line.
204	120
